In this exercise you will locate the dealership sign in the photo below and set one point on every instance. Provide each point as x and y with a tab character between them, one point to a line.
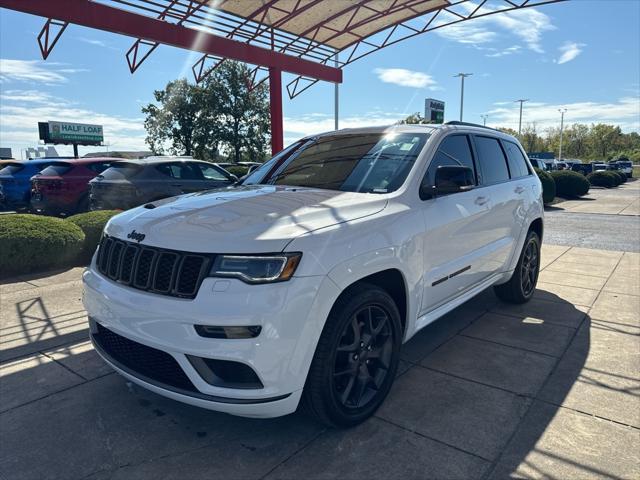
434	110
67	132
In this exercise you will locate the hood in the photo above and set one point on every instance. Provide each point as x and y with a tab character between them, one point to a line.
251	219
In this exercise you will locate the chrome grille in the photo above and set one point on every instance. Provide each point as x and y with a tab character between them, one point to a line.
167	272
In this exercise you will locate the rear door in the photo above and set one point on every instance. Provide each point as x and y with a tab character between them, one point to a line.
503	225
455	229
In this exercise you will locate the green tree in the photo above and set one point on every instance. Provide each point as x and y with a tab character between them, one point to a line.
603	138
220	117
576	140
530	140
413	119
243	115
174	121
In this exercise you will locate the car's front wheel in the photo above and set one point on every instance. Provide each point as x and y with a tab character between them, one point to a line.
522	285
356	358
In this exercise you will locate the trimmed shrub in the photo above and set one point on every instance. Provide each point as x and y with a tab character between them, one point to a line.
602	179
615	176
548	186
32	242
92	224
237	170
570	184
623	176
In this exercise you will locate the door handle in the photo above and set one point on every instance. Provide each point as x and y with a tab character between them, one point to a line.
481	200
519	189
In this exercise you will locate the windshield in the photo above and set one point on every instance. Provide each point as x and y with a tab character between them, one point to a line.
56	169
367	163
121	170
11	168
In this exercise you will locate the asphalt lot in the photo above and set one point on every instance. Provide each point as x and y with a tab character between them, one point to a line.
604	219
550	389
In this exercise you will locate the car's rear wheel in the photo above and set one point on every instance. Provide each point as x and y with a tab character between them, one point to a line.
356	359
522	285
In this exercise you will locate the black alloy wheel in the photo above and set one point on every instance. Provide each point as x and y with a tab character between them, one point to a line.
522	284
530	267
357	356
363	357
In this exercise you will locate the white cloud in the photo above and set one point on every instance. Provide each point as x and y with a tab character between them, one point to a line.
467	33
405	78
527	24
297	127
93	41
21	110
569	51
34	71
625	112
506	51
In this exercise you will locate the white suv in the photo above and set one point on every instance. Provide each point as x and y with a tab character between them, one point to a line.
301	285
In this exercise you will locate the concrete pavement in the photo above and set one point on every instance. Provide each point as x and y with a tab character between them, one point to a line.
548	389
622	200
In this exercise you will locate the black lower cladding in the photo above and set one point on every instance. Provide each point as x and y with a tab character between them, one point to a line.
142	359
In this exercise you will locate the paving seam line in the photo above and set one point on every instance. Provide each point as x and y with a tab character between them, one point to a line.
54	360
296	452
550	322
55	393
441	442
558	360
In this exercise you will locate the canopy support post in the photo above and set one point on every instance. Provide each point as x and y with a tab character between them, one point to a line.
275	109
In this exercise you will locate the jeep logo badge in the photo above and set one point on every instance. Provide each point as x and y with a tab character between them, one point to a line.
138	237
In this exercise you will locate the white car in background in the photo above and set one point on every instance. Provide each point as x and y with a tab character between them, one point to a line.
301	285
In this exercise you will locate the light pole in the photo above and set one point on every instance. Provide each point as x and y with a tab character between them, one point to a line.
522	100
484	119
462	77
562	111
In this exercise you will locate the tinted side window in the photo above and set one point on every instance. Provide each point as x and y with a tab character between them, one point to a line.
453	150
517	163
492	161
99	167
186	171
211	173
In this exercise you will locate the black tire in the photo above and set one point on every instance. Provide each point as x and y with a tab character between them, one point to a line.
335	363
83	205
522	285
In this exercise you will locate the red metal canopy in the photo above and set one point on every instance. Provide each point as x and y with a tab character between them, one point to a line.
313	39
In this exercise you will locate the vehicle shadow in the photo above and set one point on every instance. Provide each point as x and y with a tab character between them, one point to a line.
82	420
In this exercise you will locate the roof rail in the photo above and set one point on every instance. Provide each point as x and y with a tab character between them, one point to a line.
469	124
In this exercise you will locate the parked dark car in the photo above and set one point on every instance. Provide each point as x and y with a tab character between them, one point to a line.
131	183
15	181
583	168
63	187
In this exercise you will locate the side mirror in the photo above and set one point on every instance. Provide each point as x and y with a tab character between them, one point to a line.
449	179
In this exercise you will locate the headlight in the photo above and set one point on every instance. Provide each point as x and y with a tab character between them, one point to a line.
256	268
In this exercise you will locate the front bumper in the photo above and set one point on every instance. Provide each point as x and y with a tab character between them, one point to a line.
291	314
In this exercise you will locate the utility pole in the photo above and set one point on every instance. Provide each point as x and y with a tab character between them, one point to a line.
520	124
562	112
462	77
484	119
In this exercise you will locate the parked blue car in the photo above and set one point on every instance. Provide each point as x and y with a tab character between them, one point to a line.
15	181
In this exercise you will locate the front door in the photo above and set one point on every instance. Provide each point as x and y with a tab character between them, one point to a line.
455	237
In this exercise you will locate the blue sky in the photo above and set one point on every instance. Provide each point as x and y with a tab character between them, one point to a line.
583	55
